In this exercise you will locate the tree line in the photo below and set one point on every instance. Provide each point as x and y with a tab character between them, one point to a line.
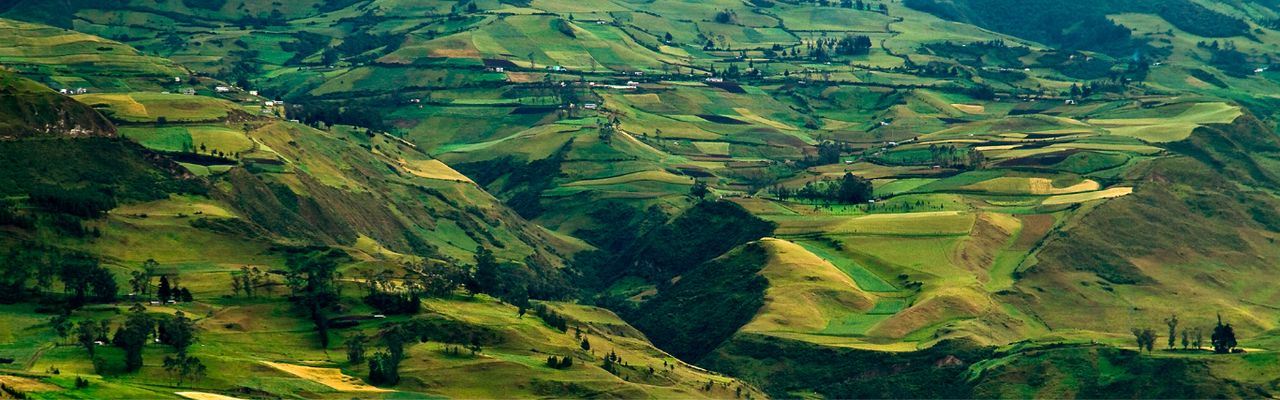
1222	339
849	189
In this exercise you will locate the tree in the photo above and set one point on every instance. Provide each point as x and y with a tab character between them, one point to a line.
384	369
394	338
61	325
1145	337
699	190
355	347
137	282
103	284
312	280
184	295
149	268
437	279
486	275
585	344
179	332
853	189
1223	337
133	335
165	291
1186	338
184	367
1172	322
81	275
87	335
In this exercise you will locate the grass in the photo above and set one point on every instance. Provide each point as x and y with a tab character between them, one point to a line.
865	279
151	107
1160	125
1109	193
940	255
804	292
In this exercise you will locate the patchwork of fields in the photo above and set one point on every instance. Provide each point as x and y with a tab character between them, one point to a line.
924	180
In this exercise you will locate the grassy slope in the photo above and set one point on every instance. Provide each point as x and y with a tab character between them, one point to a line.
33	109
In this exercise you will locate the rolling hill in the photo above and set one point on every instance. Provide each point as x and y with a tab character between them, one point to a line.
662	199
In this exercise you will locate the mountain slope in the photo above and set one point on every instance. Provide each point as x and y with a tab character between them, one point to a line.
928	198
32	109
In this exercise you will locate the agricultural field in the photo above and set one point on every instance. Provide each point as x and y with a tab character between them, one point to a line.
658	199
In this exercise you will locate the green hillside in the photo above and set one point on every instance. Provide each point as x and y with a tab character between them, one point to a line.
33	109
660	199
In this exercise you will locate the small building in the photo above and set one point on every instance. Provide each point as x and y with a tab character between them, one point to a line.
253	92
1071	102
715	80
222	89
189	92
590	106
269	103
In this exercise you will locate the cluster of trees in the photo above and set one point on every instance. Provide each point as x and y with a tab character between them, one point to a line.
512	283
138	329
179	332
167	292
635	242
611	362
859	5
980	53
384	366
312	282
565	362
241	67
1227	58
304	45
1047	21
828	153
823	49
726	17
26	271
849	189
851	45
1197	19
1146	338
355	114
203	149
404	296
1223	338
169	287
249	280
551	317
949	156
80	202
9	216
507	282
699	190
